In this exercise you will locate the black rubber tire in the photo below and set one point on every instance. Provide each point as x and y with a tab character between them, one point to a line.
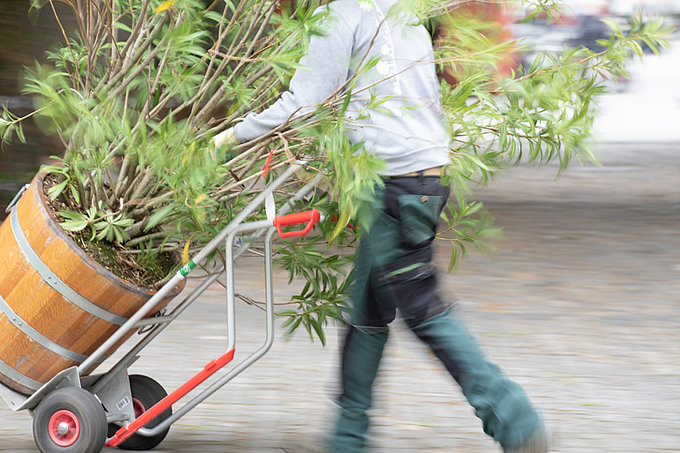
148	392
81	406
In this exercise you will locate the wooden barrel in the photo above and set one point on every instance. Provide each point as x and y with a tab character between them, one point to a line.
57	305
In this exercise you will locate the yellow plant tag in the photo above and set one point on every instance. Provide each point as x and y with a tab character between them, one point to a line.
185	252
164	6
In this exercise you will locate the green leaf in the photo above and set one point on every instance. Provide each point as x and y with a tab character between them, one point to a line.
319	331
57	189
74	225
159	216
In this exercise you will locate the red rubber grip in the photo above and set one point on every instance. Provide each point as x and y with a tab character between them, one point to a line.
309	217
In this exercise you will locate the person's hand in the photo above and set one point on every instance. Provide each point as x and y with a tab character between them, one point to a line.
224	138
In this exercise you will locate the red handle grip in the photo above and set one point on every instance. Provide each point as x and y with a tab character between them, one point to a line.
309	217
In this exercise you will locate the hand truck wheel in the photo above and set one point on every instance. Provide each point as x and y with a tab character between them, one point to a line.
145	393
69	420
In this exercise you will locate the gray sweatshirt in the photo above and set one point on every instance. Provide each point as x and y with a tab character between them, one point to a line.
407	131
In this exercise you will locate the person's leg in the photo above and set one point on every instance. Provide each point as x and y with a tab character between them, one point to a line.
366	336
501	404
410	281
360	359
380	261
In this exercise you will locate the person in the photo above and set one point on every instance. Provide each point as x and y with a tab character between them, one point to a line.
393	268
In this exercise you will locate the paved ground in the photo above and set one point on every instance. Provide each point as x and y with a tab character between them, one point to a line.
581	305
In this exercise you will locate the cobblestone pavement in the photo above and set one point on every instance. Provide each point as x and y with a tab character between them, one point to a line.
580	305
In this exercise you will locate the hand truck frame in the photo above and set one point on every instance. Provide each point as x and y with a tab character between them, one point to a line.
111	391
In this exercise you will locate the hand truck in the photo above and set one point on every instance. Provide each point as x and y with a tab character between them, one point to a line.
78	414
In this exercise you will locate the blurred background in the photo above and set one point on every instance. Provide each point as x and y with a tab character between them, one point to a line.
24	39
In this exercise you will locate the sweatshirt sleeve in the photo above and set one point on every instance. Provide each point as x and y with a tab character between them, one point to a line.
325	67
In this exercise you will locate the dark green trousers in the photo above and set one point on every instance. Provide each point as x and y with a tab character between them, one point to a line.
393	272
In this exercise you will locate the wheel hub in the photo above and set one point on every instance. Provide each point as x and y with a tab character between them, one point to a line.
64	428
138	407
